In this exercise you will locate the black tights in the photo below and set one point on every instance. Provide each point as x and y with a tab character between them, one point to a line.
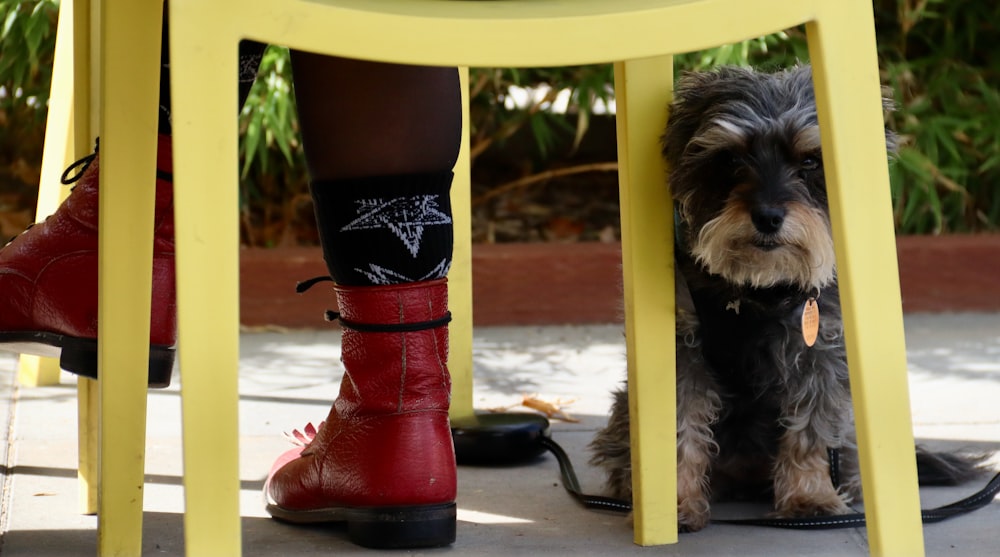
380	141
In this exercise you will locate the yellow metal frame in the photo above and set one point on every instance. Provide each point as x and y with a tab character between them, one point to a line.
639	36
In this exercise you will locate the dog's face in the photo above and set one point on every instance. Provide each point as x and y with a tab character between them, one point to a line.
746	174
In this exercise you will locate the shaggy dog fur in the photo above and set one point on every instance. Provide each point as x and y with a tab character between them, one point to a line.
758	408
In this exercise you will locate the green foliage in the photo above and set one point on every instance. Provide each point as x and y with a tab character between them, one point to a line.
494	119
27	42
779	50
938	57
273	180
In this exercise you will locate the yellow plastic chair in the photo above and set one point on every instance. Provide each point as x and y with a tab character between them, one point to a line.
639	36
72	125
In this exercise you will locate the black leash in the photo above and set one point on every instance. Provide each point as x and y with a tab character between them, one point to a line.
973	502
572	484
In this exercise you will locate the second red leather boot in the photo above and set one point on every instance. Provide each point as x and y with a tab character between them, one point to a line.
48	279
383	461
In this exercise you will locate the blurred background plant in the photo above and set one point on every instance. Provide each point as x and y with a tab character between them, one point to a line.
941	61
27	40
275	206
543	143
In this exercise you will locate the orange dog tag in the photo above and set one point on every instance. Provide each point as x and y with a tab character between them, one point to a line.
810	321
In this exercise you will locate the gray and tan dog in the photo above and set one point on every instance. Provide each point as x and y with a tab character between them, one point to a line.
762	382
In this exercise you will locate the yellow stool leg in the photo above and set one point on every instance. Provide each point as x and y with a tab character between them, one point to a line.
642	91
129	58
205	194
87	443
460	276
57	154
848	92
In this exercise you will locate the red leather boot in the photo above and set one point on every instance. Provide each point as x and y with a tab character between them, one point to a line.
48	280
383	461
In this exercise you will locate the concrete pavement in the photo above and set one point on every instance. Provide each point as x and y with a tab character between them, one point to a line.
289	378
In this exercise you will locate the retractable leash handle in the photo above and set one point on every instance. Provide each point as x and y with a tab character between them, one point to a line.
507	439
499	439
502	439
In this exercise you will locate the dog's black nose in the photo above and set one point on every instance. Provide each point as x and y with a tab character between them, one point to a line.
767	219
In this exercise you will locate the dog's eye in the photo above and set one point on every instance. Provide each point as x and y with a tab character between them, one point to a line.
731	160
810	163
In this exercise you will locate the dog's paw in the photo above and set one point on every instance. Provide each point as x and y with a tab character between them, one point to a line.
812	505
693	514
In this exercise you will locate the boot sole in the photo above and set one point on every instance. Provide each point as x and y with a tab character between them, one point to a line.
383	527
79	355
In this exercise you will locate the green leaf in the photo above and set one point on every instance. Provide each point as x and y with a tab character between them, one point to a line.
8	23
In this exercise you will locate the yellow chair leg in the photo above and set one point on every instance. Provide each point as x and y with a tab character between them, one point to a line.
129	48
59	150
85	73
87	426
205	195
460	276
644	87
36	371
848	93
57	154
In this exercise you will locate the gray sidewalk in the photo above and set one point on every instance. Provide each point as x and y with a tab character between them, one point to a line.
289	378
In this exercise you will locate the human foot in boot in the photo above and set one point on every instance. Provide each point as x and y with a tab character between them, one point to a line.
383	461
48	280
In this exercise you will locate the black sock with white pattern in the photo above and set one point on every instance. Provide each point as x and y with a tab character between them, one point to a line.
380	230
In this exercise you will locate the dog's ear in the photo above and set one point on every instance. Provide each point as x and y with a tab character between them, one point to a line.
695	94
802	76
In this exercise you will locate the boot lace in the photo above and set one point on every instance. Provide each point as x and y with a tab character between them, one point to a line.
303	285
82	164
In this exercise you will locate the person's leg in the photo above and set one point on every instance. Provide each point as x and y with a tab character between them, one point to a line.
381	140
48	274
